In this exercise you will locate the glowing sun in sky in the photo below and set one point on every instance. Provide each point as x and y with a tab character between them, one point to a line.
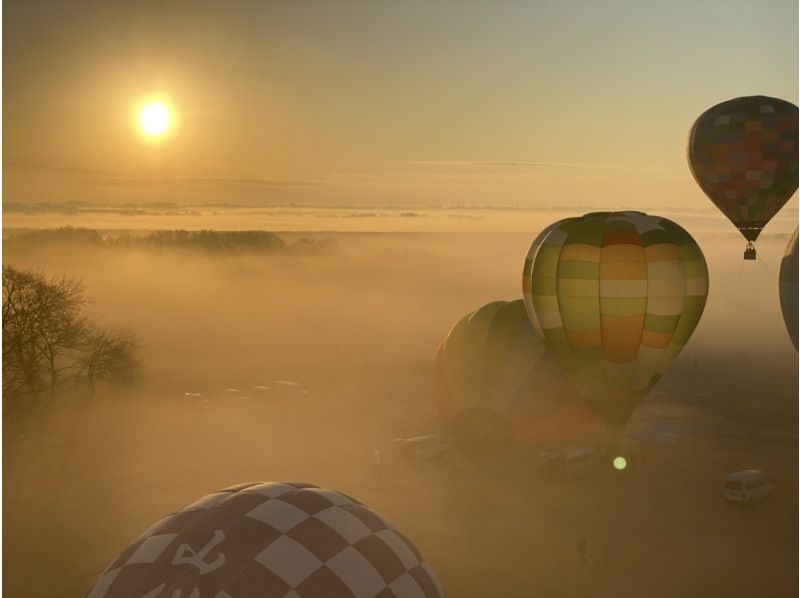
154	119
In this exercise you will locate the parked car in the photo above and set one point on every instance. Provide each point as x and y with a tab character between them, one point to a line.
568	462
288	389
420	448
747	486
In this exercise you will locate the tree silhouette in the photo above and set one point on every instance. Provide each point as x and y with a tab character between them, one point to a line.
48	343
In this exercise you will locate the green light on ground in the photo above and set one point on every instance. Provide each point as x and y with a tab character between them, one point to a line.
620	463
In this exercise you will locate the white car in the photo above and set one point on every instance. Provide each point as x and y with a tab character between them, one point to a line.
568	462
747	486
421	448
288	389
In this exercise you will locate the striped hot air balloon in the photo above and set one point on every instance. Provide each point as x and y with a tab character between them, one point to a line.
616	296
743	154
495	383
788	287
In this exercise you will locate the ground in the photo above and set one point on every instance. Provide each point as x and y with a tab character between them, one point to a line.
82	485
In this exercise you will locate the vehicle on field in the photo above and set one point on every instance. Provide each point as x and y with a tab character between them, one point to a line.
568	462
421	448
747	486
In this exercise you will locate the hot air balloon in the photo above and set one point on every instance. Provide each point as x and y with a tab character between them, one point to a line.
743	154
616	295
788	287
264	540
494	383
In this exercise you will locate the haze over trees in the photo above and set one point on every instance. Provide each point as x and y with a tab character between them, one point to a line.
360	330
210	242
50	345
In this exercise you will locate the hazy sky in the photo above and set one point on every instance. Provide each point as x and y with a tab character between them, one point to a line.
537	103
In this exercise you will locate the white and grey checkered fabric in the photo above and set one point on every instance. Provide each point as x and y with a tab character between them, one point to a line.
290	540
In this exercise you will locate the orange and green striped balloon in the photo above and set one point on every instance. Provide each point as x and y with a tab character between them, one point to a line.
617	296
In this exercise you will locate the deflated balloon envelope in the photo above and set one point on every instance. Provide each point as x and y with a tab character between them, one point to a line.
494	383
788	288
743	154
617	296
265	540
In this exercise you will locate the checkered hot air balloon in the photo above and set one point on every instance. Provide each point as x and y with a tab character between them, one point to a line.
264	540
616	296
788	288
495	383
743	154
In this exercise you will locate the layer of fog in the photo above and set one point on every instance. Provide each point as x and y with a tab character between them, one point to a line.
359	329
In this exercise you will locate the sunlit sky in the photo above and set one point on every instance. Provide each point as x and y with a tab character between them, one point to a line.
376	103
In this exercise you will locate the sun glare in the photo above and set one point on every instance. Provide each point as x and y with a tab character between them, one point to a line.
154	119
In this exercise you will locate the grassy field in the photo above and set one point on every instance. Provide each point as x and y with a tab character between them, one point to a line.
359	329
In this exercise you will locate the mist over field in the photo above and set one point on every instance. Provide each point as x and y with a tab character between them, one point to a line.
357	325
286	241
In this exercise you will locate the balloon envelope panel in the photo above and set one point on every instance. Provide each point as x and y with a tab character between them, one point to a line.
262	540
617	295
788	288
743	154
494	382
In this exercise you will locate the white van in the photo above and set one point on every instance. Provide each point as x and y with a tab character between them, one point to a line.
568	462
747	486
286	389
420	448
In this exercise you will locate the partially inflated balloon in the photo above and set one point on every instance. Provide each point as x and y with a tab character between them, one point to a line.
616	295
494	382
743	154
788	288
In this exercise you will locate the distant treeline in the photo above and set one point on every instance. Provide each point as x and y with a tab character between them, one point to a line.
210	241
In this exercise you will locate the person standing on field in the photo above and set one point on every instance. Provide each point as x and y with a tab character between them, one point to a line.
582	549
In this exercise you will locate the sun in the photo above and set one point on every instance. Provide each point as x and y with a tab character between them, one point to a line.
154	119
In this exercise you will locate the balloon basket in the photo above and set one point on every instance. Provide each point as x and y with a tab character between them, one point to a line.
750	252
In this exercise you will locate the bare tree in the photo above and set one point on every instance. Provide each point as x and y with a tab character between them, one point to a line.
48	344
108	355
41	322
